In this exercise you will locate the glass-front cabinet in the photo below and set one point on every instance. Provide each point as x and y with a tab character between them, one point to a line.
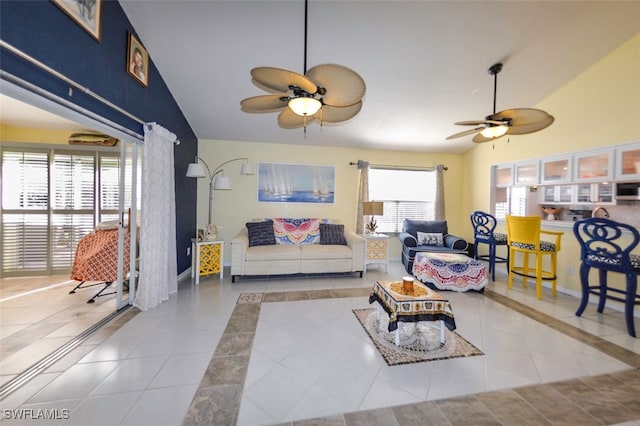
595	193
555	170
558	194
504	175
594	166
527	173
628	162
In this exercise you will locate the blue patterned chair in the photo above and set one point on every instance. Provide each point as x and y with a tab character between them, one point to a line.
606	245
428	236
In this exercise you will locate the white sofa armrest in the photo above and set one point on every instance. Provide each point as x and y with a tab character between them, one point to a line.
356	243
239	246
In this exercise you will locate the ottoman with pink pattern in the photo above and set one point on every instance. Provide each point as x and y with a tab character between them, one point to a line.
450	271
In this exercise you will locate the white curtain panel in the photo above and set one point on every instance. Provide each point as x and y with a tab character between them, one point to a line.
158	267
439	202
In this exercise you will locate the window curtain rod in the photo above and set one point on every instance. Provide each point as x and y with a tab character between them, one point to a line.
73	83
361	164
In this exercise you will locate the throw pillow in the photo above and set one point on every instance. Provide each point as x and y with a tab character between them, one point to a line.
297	231
332	234
261	233
430	239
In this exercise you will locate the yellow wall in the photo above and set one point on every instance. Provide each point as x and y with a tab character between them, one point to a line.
600	107
232	209
33	135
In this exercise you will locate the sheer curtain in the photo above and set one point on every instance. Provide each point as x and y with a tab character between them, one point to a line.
158	267
363	194
439	201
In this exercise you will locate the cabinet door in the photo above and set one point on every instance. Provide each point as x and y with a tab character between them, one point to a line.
555	170
603	193
628	162
583	193
565	194
549	194
504	175
594	166
527	174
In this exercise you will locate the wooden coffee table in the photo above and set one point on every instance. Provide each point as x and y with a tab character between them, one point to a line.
422	304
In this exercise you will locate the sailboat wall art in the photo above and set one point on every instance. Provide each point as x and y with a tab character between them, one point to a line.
296	183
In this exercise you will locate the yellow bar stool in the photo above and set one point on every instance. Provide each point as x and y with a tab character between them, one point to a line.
524	238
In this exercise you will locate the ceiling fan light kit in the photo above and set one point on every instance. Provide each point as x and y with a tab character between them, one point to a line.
304	106
328	93
494	131
515	121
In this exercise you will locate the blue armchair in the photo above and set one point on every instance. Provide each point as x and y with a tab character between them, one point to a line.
428	236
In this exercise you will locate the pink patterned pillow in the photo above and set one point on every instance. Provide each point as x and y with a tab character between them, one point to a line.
297	231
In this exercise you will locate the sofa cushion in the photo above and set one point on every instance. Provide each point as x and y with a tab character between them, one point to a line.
297	231
412	226
273	253
332	234
319	251
430	239
261	233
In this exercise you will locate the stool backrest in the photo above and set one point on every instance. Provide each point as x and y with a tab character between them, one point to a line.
606	244
483	225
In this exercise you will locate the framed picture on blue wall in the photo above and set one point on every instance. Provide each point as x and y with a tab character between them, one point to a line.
87	13
137	60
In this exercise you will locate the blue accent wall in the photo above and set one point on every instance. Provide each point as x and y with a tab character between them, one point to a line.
45	32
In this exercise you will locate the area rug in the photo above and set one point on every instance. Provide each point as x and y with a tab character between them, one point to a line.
419	342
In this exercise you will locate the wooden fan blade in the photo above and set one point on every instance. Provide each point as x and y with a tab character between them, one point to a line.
279	80
466	132
344	86
334	114
479	138
266	103
524	120
477	122
288	119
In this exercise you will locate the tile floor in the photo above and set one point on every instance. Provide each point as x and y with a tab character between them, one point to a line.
296	352
37	315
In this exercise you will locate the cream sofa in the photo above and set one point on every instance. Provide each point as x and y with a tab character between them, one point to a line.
297	250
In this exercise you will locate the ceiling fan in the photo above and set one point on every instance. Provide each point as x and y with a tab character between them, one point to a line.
328	93
515	121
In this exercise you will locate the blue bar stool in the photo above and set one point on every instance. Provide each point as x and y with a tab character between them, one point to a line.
606	245
484	225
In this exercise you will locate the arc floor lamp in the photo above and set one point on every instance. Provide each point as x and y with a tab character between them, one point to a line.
222	182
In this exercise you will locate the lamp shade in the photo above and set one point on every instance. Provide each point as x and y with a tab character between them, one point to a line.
373	208
494	131
196	170
246	169
222	183
304	106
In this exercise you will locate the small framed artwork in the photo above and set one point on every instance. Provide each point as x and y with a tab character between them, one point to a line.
87	13
137	60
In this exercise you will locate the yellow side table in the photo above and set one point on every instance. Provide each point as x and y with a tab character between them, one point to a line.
207	258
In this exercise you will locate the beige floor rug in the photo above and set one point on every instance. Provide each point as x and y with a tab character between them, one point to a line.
419	342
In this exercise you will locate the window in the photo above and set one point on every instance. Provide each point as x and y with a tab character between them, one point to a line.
50	203
511	200
407	194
